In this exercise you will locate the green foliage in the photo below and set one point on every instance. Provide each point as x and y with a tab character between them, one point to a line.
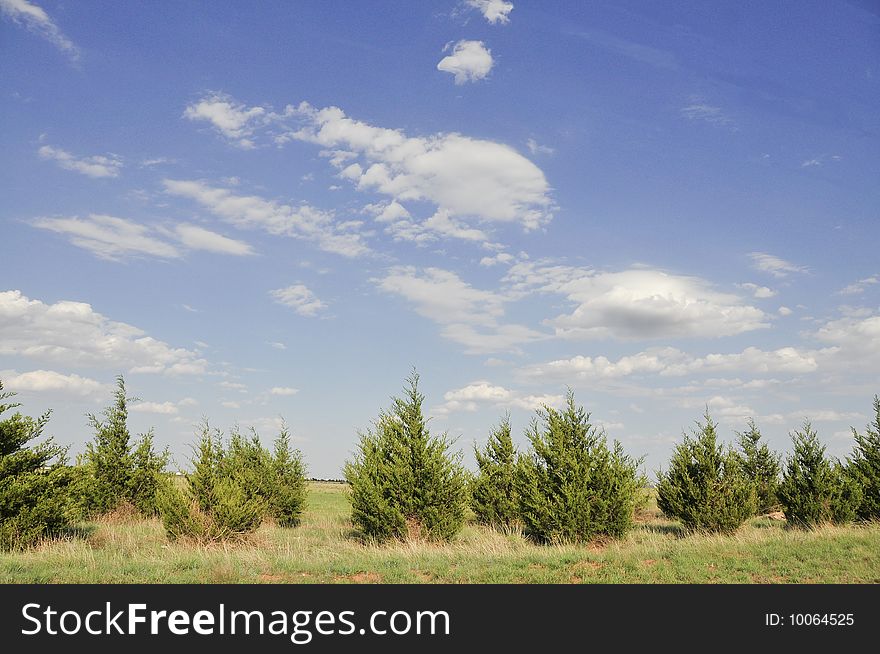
761	465
572	487
234	487
815	490
864	467
403	481
117	470
493	489
289	476
34	481
705	487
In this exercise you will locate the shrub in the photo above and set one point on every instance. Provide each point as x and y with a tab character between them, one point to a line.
761	466
34	481
403	482
233	488
116	470
493	489
217	502
705	487
864	467
815	490
571	486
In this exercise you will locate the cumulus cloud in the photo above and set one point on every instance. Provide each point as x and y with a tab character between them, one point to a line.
109	237
760	292
73	333
160	408
465	177
774	265
35	19
484	393
494	11
470	316
639	303
671	362
94	166
199	238
42	381
251	211
470	61
232	119
299	298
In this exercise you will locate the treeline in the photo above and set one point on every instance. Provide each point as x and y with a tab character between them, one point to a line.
569	485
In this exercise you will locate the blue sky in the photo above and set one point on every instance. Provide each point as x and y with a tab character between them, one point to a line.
278	209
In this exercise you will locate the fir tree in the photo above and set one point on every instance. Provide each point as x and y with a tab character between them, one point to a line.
289	476
403	481
761	465
705	487
493	489
815	490
34	481
572	487
864	466
116	469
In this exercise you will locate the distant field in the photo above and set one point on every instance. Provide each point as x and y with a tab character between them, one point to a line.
325	550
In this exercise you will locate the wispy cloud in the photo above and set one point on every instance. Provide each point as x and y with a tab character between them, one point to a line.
35	19
701	111
94	166
299	298
774	265
860	286
110	237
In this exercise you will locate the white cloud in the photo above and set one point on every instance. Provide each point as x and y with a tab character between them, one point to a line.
537	148
671	362
283	390
251	211
639	304
109	237
501	257
809	163
860	286
856	336
277	345
475	394
760	292
234	386
232	119
161	408
38	21
300	299
471	316
95	166
41	381
784	311
699	110
199	238
468	178
774	265
495	11
73	333
470	61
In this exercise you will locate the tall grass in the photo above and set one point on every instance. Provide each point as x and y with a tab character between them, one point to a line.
124	548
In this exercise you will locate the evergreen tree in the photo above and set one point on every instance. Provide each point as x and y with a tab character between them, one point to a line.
864	466
147	469
289	477
815	490
572	487
705	487
403	482
493	489
34	481
761	465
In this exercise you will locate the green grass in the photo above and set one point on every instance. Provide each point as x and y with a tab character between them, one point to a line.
324	549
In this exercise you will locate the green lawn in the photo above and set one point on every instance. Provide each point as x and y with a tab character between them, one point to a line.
325	549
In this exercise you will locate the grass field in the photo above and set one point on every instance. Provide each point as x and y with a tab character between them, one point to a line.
324	549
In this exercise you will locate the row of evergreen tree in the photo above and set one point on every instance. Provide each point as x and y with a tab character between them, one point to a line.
571	485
